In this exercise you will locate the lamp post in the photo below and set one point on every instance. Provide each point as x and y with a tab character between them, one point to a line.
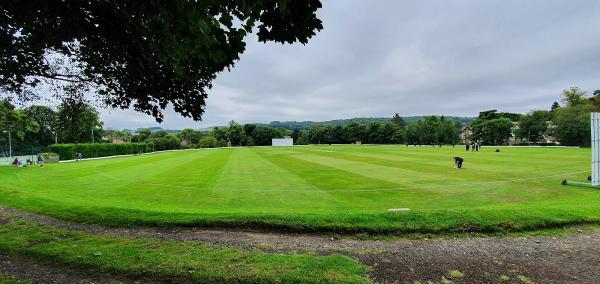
9	142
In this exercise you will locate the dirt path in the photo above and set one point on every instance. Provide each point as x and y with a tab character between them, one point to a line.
574	258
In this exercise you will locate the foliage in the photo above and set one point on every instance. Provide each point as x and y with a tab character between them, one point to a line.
398	121
45	118
162	140
69	151
15	120
356	132
235	134
430	130
191	136
142	135
573	124
533	126
262	135
306	125
555	106
494	131
145	54
208	141
494	128
433	130
573	96
78	122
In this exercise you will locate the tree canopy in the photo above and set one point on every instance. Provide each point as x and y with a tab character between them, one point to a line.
145	54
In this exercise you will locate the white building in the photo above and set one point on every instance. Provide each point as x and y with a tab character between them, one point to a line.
285	141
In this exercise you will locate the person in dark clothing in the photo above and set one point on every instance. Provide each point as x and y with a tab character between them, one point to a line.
458	162
467	146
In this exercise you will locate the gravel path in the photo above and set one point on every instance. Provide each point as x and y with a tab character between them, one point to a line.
574	258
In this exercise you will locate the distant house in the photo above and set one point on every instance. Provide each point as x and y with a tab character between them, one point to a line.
465	134
550	139
285	141
114	139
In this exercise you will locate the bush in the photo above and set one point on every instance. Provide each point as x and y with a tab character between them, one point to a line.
222	143
168	142
69	151
208	142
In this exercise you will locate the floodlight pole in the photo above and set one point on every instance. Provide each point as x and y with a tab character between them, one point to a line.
9	142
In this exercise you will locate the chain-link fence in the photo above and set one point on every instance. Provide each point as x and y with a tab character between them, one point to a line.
23	152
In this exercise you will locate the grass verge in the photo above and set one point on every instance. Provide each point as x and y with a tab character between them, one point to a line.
172	260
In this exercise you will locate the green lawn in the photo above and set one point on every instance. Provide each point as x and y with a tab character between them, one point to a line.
160	259
317	188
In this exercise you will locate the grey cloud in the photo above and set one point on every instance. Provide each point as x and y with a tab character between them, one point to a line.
376	58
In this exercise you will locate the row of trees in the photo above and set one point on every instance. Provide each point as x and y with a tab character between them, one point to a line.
430	130
232	135
567	122
35	127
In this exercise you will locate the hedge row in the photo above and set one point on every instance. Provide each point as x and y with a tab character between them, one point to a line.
69	151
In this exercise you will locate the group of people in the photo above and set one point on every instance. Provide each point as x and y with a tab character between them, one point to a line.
17	162
474	146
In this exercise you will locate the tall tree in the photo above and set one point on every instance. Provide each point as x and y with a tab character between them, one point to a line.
235	133
78	122
492	131
573	125
356	132
15	121
573	96
399	121
190	135
145	54
533	126
45	118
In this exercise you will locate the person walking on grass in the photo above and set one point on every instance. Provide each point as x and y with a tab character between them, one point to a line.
476	147
467	146
40	160
458	161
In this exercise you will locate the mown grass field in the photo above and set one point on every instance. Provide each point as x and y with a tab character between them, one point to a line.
345	189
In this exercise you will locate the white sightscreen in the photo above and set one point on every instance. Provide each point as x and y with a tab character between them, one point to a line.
595	123
282	142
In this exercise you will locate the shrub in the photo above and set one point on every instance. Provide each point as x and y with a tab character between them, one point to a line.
69	151
207	142
168	142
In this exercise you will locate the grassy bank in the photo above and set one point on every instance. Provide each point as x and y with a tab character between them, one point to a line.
166	260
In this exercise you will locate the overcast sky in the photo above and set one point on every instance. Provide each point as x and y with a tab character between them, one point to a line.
377	58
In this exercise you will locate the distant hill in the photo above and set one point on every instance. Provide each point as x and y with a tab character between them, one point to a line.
154	129
305	125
